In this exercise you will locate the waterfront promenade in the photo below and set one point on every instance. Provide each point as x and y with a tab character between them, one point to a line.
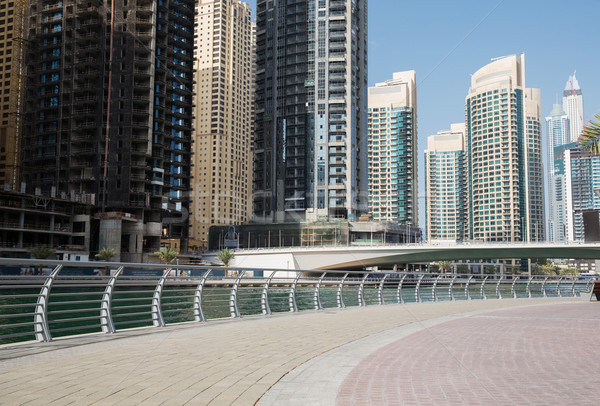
523	351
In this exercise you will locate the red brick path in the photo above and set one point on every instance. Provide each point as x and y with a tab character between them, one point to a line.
545	355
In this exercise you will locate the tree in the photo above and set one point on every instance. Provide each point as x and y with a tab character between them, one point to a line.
570	271
225	256
445	266
546	269
105	254
167	255
41	252
588	139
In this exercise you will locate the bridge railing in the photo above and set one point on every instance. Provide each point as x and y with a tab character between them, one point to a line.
42	299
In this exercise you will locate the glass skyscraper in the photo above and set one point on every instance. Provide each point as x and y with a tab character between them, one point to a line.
572	102
392	153
558	134
445	185
504	154
310	158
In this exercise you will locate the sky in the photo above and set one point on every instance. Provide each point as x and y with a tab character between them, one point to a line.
447	41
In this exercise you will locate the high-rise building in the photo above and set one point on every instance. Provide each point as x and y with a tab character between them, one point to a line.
311	139
581	171
445	185
504	154
392	150
557	128
109	114
222	170
572	102
12	59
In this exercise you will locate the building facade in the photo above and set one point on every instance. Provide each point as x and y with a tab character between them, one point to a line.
310	158
582	183
108	112
558	135
12	64
392	150
222	169
504	154
572	102
445	185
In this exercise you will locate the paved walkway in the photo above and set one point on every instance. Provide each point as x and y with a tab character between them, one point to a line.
238	362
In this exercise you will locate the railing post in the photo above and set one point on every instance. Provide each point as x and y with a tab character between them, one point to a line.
106	320
293	304
264	297
417	289
198	313
529	287
340	295
361	295
588	284
544	287
380	292
482	289
40	318
467	293
573	286
513	291
451	288
558	287
157	317
498	293
399	293
317	297
435	297
233	304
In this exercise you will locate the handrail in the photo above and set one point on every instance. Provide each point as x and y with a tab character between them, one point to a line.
199	294
106	320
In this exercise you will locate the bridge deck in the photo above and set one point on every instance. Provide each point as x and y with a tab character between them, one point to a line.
222	362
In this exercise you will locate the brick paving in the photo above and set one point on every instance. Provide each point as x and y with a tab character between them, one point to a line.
239	362
546	355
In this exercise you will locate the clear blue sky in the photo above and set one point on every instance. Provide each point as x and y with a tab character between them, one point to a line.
446	41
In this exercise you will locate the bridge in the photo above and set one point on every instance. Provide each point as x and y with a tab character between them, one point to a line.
191	335
360	257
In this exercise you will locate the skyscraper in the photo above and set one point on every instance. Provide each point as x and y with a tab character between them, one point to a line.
12	58
108	113
445	185
311	140
572	102
222	158
581	183
392	152
504	159
557	128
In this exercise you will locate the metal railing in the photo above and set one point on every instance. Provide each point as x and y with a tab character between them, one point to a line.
43	299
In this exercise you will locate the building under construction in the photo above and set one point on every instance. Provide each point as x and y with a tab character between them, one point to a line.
108	110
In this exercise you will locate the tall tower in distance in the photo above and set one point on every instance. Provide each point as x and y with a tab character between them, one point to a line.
311	136
445	185
222	169
392	153
572	102
504	154
557	128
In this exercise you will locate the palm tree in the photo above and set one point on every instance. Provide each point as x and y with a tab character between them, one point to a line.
105	254
42	252
590	136
444	266
167	255
225	256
